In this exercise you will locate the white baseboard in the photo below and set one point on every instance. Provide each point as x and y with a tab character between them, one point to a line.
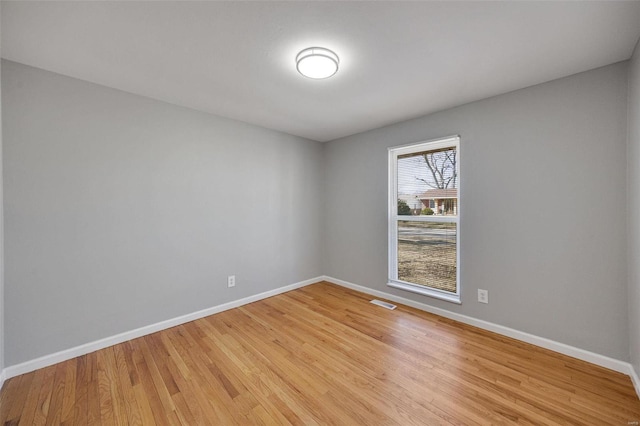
47	360
635	379
594	358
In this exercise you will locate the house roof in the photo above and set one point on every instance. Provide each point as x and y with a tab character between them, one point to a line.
439	193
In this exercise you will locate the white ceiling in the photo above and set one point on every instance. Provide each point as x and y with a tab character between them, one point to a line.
399	60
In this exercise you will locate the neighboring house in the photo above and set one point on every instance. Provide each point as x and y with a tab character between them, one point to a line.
413	202
441	201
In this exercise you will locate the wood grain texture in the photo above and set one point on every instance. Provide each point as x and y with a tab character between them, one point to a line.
321	354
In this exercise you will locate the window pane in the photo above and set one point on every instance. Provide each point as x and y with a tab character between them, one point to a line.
428	183
427	254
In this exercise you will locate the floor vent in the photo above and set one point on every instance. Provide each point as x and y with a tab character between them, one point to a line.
383	304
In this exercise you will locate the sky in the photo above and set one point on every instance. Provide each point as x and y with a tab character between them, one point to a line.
414	167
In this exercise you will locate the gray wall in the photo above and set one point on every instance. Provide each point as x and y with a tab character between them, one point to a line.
1	245
122	211
543	213
634	208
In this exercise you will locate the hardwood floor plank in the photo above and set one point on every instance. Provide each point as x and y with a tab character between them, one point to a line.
9	398
154	375
44	396
69	396
93	390
321	354
16	406
377	347
107	411
286	370
31	401
149	390
81	403
131	409
202	378
307	351
54	416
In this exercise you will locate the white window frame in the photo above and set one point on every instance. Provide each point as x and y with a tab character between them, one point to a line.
393	217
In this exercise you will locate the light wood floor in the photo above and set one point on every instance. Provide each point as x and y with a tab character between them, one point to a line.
321	355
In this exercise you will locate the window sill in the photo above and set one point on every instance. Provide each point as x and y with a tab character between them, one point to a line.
453	298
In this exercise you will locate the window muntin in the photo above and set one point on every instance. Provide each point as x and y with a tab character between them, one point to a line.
424	182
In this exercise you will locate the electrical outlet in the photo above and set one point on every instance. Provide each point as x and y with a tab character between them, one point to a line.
231	281
483	296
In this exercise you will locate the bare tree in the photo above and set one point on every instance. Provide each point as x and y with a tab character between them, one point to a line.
442	165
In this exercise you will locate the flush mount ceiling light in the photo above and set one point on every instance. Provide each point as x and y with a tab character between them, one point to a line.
317	62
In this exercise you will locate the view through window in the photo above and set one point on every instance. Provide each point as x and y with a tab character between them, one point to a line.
423	218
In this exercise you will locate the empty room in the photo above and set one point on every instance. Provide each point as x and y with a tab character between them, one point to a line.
292	212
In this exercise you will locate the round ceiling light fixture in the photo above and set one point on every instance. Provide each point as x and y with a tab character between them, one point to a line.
317	62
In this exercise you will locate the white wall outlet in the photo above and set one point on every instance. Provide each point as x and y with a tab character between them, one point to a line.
231	281
483	296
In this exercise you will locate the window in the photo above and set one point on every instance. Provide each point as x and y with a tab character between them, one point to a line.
423	243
